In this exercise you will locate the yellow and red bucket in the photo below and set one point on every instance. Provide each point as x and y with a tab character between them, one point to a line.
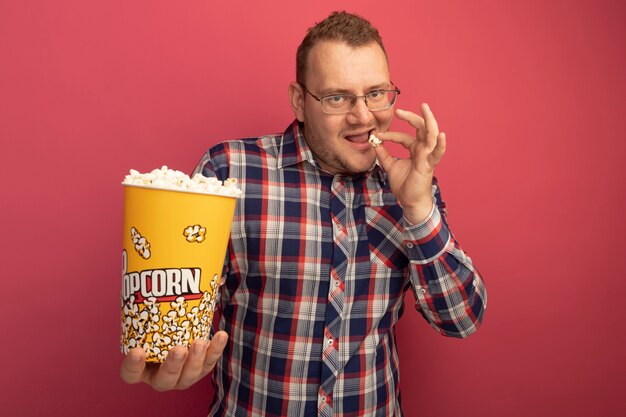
174	244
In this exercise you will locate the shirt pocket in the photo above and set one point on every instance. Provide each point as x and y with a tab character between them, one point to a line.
384	235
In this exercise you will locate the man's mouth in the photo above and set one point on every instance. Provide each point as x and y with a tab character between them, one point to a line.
362	137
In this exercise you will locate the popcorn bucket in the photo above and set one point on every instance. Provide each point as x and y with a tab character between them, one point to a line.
174	244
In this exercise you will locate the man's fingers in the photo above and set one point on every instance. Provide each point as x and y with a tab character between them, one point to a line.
413	119
427	128
169	372
133	366
440	148
432	127
192	371
214	351
384	158
182	367
401	138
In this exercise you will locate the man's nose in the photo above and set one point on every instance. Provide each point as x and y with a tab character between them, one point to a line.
360	113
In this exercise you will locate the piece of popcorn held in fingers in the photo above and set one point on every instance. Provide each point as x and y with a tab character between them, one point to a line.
374	141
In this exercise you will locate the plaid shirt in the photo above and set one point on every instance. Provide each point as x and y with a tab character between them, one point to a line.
316	271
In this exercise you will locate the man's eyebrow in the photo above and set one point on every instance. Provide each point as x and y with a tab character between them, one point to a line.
382	86
333	91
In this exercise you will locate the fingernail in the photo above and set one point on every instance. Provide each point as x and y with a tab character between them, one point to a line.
178	355
134	357
198	347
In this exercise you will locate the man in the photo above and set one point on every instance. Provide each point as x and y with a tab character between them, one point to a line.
328	236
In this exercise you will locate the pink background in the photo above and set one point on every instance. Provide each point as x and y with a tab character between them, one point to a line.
530	94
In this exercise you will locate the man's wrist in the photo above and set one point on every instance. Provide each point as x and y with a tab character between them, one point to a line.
417	214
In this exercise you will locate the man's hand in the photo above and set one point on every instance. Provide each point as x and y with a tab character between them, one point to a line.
411	179
182	368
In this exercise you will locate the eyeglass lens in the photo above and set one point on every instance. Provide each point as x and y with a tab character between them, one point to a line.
376	100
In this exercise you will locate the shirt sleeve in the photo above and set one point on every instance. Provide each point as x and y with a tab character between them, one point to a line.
204	167
213	163
448	289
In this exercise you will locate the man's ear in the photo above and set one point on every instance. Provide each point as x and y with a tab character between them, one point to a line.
296	98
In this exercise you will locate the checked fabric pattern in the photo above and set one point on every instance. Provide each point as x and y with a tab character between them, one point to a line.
315	277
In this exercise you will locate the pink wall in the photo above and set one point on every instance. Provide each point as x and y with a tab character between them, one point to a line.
531	95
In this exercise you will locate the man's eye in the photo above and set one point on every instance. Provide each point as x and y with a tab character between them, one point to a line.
376	94
337	102
336	99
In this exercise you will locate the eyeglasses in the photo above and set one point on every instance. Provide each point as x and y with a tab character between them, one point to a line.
375	100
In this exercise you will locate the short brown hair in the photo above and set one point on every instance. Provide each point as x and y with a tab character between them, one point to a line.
339	26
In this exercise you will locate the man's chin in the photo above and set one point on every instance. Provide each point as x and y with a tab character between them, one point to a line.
359	168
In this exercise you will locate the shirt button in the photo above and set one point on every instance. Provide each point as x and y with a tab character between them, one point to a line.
409	245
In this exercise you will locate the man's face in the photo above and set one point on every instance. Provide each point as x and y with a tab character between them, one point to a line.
340	141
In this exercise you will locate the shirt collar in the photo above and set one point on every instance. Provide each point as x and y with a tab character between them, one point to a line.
293	148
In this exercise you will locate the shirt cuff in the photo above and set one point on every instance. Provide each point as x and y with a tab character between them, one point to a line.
427	240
